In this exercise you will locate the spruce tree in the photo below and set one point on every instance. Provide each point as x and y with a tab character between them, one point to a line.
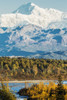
60	91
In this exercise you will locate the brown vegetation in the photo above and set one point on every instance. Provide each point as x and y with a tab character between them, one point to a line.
25	68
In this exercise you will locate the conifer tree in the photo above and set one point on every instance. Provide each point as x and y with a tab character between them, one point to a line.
60	91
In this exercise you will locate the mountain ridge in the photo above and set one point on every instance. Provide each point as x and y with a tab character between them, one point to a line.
32	14
33	41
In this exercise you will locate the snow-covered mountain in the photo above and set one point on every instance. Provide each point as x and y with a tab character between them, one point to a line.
32	14
33	41
31	31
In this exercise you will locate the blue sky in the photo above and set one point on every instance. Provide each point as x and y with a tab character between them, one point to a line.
7	6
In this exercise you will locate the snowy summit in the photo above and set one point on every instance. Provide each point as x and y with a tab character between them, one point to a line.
32	14
25	9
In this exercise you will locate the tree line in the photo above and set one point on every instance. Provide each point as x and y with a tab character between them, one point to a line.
31	68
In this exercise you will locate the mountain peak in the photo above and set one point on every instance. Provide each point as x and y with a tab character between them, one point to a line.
31	8
25	9
30	13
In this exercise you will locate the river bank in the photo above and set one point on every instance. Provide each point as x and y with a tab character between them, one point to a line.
30	81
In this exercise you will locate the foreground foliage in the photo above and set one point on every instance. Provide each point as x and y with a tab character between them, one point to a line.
46	92
25	68
5	93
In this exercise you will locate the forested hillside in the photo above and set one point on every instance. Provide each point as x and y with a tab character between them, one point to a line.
25	68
